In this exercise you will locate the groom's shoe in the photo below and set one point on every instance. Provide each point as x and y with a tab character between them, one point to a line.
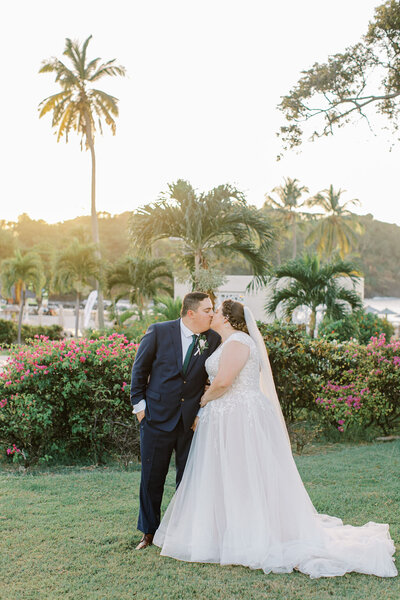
146	540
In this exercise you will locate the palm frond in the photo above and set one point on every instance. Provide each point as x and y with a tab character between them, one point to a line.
81	100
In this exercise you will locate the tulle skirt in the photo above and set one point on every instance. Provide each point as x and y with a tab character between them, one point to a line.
241	501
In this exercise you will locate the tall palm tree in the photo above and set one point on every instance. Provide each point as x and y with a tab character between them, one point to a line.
288	206
307	282
75	268
22	270
219	222
80	107
336	228
139	278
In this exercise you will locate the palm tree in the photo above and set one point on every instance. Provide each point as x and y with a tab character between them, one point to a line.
307	282
219	222
139	278
79	107
337	227
288	206
22	270
75	268
167	308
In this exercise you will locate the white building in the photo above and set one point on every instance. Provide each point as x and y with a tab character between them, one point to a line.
235	288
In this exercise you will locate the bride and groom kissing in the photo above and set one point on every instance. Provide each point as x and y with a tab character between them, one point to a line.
239	498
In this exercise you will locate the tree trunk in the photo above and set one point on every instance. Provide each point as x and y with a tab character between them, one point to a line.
312	322
213	297
197	260
18	291
77	315
294	236
95	225
21	312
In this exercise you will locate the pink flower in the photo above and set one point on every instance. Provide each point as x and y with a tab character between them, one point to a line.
341	422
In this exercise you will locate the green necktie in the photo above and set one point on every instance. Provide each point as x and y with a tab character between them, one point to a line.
189	353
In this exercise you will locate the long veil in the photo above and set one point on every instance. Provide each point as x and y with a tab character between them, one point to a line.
267	384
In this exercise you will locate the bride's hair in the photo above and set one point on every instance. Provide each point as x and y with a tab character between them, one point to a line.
234	312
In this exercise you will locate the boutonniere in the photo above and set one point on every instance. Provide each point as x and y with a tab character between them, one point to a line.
201	345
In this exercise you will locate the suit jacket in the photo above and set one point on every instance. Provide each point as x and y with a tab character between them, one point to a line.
158	378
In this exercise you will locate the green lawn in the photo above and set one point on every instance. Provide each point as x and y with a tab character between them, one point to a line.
70	533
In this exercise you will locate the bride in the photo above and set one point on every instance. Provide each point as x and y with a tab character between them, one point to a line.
241	499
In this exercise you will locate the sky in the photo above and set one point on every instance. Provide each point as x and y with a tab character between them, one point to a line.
198	103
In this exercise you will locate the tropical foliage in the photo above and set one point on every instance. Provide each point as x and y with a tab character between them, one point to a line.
140	279
167	308
307	282
23	270
75	268
81	107
336	228
287	206
377	251
208	225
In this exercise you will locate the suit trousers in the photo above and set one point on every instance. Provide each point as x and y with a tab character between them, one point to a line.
156	449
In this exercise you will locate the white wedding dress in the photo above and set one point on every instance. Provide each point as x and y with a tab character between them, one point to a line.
241	499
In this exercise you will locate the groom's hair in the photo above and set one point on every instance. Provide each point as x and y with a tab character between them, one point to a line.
191	302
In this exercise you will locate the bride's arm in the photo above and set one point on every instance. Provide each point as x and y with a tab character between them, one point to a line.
233	358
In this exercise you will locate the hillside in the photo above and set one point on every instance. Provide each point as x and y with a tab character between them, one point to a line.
378	252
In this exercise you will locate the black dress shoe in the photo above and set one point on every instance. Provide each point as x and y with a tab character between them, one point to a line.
146	540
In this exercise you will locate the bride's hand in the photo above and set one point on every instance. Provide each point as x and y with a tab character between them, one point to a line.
203	401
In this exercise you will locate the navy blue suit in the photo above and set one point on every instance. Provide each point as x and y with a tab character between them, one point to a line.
172	403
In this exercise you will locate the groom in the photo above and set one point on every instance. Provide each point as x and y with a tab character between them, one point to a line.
168	380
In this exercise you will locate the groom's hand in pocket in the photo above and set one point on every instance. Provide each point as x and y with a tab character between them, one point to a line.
140	415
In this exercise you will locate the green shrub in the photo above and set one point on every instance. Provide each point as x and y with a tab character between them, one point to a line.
66	397
9	332
133	331
295	365
357	325
52	332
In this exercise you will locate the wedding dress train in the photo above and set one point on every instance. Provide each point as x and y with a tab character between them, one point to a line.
242	501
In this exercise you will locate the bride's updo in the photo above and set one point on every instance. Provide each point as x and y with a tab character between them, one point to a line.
234	312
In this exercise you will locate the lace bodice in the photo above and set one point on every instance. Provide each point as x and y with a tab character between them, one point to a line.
245	390
248	378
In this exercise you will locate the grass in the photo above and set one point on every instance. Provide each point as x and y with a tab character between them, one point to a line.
70	533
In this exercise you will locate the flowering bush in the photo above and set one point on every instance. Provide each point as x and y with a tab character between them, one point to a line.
338	384
367	392
64	397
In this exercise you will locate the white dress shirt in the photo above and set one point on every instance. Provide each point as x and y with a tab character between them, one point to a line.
186	339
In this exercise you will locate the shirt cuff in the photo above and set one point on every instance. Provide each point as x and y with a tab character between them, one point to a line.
141	405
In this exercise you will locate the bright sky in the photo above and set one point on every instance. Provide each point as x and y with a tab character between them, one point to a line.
199	103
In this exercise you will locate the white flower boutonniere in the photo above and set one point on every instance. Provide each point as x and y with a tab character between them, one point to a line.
201	345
